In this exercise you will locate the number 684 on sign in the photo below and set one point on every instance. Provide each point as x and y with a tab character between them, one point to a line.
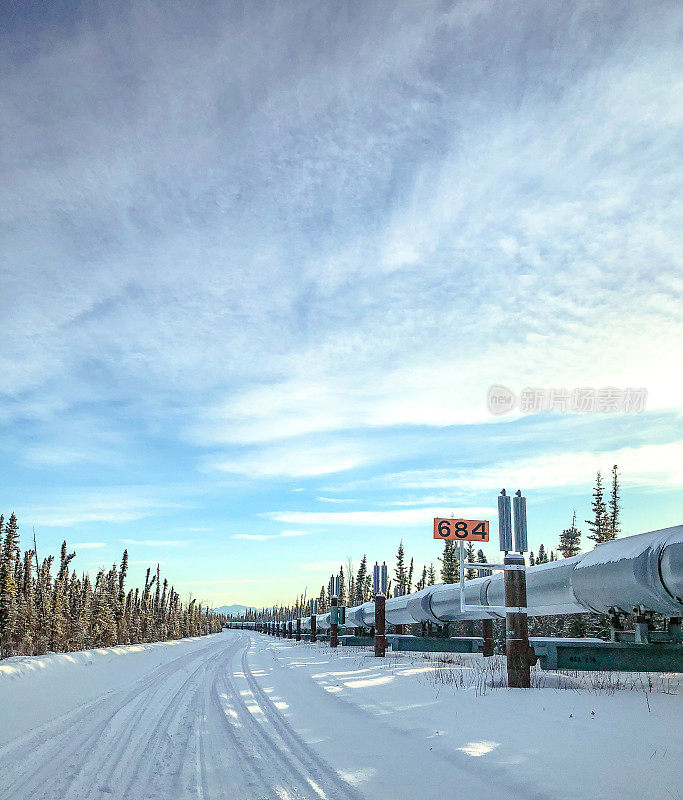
462	530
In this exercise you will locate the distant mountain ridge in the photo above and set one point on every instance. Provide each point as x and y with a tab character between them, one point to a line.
234	610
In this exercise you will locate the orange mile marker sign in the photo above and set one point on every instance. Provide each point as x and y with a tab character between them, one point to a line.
461	530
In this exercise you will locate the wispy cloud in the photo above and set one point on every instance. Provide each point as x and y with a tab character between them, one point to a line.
649	466
260	537
394	517
107	505
307	459
154	542
336	500
87	545
219	581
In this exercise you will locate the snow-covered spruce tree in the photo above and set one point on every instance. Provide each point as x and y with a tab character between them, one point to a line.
9	610
83	635
570	540
599	524
450	566
103	622
542	557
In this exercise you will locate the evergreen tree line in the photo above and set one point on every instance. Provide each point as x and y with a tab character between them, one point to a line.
47	607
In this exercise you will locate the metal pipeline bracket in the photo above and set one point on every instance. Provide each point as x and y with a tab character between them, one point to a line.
464	608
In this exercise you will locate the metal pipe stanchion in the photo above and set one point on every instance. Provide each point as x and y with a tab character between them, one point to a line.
289	629
487	632
314	632
298	629
380	626
334	626
517	647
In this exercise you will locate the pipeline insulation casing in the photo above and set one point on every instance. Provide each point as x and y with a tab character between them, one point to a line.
644	570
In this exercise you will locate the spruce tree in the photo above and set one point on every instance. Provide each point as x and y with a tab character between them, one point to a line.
361	581
599	525
471	558
481	558
423	579
542	557
9	557
409	582
342	587
450	565
614	506
400	572
431	575
570	540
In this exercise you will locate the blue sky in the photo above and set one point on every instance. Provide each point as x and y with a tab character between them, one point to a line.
261	263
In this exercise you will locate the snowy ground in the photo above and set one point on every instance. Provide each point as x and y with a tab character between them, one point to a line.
240	715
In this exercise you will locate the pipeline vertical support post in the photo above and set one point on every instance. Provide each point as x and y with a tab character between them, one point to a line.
380	626
461	559
487	632
334	626
298	629
289	629
517	647
314	620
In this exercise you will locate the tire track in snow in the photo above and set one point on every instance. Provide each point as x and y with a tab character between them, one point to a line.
333	787
197	727
146	730
46	750
299	771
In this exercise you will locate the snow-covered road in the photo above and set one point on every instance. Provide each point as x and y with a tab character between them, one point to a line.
239	715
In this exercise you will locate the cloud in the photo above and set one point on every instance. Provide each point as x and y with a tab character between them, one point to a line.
154	542
652	466
218	581
394	517
259	537
307	260
335	500
331	567
87	545
307	459
111	504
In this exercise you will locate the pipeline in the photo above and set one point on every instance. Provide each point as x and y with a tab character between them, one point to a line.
643	571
